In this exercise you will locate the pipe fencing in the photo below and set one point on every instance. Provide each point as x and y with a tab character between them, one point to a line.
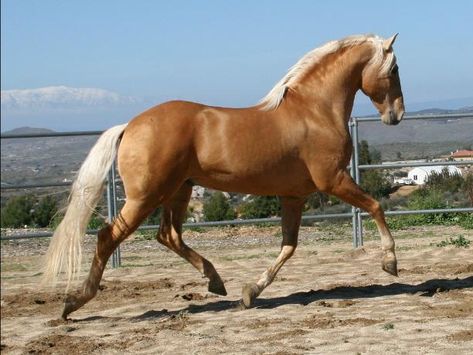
355	170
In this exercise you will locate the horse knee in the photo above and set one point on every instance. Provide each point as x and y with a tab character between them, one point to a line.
376	211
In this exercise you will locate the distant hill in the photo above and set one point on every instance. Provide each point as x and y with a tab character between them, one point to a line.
27	130
441	111
432	111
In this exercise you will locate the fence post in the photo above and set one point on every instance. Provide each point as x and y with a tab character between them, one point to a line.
112	210
355	173
354	219
359	222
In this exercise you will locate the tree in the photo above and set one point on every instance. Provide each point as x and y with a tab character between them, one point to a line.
375	183
372	181
17	211
367	155
261	207
364	156
217	208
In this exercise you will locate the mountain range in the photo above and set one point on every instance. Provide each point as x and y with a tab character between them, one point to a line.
62	97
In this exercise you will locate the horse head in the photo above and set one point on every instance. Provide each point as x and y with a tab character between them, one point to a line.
381	82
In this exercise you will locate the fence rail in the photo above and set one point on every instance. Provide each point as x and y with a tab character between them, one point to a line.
355	168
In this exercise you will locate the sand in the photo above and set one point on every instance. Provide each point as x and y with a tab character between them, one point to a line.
329	298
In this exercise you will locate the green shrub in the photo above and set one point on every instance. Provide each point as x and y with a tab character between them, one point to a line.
154	218
261	207
375	183
44	211
96	222
468	187
217	208
18	212
427	199
317	200
444	181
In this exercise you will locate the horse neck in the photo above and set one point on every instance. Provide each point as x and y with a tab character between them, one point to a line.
330	87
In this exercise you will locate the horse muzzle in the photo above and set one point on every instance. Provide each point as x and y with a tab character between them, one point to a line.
394	114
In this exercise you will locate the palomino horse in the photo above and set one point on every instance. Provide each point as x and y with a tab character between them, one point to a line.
294	142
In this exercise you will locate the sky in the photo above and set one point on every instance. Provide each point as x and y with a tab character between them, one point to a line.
226	53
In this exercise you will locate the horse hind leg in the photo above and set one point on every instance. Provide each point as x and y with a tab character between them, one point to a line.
130	217
291	211
170	235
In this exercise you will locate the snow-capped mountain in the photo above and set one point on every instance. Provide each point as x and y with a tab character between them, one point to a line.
62	97
66	108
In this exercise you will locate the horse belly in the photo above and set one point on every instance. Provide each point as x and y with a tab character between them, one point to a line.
290	179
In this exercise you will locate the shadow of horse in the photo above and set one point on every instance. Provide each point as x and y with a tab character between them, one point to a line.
425	289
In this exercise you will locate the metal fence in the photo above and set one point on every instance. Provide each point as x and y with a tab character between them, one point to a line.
355	169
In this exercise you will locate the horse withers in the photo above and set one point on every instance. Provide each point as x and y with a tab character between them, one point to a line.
294	142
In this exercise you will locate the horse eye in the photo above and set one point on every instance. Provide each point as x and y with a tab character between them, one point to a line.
394	70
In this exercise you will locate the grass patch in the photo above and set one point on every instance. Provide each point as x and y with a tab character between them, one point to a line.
388	326
464	220
458	242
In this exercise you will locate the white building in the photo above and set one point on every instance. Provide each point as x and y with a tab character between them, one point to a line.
421	174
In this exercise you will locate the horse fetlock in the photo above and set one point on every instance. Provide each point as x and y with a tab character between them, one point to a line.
217	286
389	263
249	294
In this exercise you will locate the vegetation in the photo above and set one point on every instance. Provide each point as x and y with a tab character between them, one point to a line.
444	181
44	211
372	181
468	187
217	208
18	212
459	242
261	207
26	210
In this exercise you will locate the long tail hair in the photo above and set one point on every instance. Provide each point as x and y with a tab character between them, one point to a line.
64	253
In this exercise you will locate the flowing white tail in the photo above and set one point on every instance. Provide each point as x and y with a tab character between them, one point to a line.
64	253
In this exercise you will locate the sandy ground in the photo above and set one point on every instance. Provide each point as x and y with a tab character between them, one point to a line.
328	298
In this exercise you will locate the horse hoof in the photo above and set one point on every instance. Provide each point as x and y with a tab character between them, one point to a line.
390	266
216	286
69	305
249	294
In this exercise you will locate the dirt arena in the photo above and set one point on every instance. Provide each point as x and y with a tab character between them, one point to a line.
328	298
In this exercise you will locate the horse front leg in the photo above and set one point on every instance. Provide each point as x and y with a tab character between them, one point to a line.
347	190
291	211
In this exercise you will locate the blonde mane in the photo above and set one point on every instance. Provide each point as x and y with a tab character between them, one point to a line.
275	96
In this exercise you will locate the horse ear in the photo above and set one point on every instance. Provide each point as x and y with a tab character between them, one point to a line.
388	43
